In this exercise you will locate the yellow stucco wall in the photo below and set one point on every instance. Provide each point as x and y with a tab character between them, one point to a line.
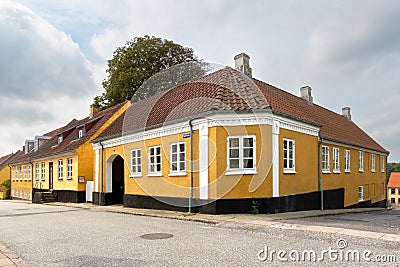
22	187
305	179
374	182
4	174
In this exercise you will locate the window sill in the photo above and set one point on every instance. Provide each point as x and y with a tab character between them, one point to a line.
135	175
326	172
69	178
372	171
240	172
172	174
360	200
347	171
289	172
361	170
336	172
154	175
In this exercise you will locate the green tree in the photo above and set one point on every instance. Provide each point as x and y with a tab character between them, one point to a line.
135	62
7	185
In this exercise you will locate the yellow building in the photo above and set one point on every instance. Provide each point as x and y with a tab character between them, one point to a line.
230	143
59	164
394	190
5	173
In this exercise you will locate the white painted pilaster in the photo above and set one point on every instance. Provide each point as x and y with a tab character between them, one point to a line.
96	169
275	158
203	161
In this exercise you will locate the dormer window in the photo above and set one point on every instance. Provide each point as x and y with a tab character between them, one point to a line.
60	139
80	133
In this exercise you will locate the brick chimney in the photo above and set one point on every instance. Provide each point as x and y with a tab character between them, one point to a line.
305	93
242	64
346	111
93	110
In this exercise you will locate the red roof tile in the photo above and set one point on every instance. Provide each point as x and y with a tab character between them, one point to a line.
394	180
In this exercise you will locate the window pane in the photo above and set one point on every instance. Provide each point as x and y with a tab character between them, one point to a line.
182	166
248	163
174	168
248	142
158	159
182	147
139	168
234	163
173	148
158	167
174	157
182	156
234	142
248	152
234	153
285	144
158	150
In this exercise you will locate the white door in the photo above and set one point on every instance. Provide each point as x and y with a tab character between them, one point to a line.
89	191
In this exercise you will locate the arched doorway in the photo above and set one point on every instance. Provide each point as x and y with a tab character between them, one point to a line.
115	179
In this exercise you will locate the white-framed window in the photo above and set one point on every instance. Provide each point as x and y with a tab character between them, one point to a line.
325	159
347	160
373	163
25	173
59	140
289	155
178	158
37	171
13	173
69	168
20	173
361	161
29	173
382	163
360	193
155	166
241	154
43	171
60	169
80	133
336	160
136	162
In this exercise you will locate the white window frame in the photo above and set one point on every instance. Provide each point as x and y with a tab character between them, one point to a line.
179	171
80	133
361	161
20	172
43	176
241	158
25	172
13	173
373	163
347	162
360	193
155	163
382	163
60	169
326	168
59	140
69	168
136	162
37	171
29	173
287	160
336	160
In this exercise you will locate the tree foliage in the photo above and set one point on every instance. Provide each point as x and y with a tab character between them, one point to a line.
7	185
392	167
135	62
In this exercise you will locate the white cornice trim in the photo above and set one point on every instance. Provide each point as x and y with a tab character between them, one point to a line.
353	147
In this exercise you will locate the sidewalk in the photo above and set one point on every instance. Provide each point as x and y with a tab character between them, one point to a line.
259	220
9	259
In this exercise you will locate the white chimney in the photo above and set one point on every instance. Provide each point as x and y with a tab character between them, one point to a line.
305	93
346	111
242	64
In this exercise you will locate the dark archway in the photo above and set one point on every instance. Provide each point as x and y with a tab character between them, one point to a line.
118	180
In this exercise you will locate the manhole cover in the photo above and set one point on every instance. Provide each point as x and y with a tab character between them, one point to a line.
156	236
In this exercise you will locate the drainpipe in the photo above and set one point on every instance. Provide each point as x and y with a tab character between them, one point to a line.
101	173
30	162
320	170
191	165
11	180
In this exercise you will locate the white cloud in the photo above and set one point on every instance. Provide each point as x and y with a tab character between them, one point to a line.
45	79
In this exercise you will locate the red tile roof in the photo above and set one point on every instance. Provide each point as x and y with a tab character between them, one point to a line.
394	180
70	136
228	89
4	160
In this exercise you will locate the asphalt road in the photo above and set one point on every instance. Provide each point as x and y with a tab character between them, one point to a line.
61	236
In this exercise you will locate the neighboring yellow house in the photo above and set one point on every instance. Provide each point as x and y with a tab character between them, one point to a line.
394	190
61	162
5	173
228	143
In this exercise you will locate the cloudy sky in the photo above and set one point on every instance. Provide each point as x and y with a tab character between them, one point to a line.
53	54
